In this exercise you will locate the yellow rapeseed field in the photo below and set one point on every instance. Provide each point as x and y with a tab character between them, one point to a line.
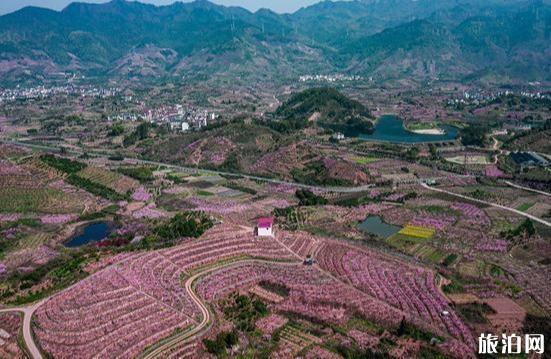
417	231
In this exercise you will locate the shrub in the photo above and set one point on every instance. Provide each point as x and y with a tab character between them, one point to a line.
241	188
474	135
142	174
308	198
187	224
62	164
116	130
94	188
449	259
526	228
475	312
222	342
409	330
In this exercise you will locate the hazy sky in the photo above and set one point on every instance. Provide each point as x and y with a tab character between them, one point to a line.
7	6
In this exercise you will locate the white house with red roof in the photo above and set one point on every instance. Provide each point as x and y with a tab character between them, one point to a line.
264	227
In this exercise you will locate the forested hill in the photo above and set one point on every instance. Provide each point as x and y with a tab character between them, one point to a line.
329	104
384	39
324	107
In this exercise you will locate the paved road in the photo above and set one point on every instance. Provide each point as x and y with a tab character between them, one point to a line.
539	220
206	321
527	188
188	335
339	189
28	312
353	189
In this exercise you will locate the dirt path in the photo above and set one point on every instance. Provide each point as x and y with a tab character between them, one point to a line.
497	147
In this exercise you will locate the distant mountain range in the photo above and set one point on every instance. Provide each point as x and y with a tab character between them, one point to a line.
494	40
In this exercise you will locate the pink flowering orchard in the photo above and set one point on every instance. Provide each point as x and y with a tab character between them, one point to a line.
310	179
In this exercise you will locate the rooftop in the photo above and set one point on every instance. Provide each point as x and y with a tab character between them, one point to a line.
265	222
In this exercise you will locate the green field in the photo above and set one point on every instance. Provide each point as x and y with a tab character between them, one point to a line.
34	240
109	179
526	206
429	253
361	160
204	193
404	242
38	200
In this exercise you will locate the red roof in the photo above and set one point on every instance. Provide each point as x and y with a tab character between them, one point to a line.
266	222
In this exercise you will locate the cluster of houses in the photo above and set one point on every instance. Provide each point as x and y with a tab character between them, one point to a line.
186	118
40	92
477	97
337	137
329	78
178	118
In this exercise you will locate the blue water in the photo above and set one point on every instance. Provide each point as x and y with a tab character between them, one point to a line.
374	225
390	128
91	233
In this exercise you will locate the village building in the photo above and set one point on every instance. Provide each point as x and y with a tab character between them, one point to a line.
529	159
264	227
502	132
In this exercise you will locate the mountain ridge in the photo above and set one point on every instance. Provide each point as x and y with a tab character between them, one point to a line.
424	41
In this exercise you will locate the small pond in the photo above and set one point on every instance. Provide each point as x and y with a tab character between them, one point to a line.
390	128
374	225
93	232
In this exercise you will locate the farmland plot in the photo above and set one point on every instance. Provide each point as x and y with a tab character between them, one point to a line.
9	330
115	181
39	200
408	288
117	312
25	189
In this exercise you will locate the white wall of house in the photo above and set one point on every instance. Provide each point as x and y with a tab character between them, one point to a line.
265	232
